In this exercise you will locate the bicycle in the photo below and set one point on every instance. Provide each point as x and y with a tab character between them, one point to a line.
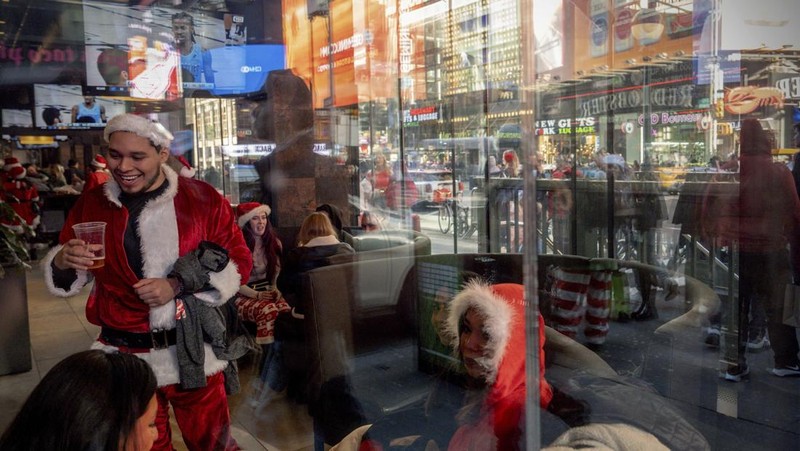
465	226
445	216
462	219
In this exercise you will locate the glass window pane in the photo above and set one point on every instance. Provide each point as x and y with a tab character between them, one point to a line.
622	170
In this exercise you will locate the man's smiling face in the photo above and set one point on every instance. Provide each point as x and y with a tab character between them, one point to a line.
134	163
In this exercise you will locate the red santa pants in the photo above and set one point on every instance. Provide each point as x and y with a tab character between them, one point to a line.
202	415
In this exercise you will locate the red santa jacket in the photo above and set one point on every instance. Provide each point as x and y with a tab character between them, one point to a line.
170	226
96	178
22	196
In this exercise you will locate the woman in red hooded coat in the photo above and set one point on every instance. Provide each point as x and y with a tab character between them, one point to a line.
487	326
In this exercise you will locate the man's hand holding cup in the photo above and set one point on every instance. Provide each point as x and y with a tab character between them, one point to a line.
85	251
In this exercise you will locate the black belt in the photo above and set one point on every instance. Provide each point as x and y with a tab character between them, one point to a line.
155	339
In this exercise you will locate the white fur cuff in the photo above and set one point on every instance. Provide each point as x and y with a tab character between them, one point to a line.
226	284
84	277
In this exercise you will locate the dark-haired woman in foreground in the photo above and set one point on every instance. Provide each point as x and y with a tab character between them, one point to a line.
89	401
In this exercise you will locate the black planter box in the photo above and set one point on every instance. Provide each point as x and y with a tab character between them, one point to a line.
15	337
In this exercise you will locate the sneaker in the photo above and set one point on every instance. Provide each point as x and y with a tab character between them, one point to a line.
760	341
735	373
787	370
712	338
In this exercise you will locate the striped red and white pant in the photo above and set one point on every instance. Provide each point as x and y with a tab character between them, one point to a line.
579	295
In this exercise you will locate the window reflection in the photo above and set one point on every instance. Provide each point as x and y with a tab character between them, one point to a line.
604	139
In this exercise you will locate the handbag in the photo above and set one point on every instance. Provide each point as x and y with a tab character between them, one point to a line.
791	305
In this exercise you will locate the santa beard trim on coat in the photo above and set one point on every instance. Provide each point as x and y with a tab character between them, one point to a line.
158	222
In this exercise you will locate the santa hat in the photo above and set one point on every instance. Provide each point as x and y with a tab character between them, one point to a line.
17	172
186	169
249	210
99	162
11	162
139	126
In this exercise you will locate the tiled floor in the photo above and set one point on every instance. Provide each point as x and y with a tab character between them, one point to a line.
58	328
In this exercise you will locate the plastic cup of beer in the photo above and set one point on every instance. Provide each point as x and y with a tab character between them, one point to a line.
93	233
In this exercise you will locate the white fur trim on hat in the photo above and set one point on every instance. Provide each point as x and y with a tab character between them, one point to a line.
497	315
99	162
10	162
188	172
17	172
139	126
186	169
243	219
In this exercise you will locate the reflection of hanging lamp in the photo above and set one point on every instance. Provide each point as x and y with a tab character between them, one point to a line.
648	24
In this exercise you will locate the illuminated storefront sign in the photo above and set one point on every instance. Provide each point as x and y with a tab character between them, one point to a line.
243	150
359	51
406	58
580	126
36	55
351	42
669	97
417	115
673	119
790	87
261	150
701	120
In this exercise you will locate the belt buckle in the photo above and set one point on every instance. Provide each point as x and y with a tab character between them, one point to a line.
162	334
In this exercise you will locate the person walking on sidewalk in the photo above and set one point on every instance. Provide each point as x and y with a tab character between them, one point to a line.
761	218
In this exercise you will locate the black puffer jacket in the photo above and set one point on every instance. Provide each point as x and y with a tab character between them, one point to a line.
315	254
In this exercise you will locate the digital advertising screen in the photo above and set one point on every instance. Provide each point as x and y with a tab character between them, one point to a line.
66	107
162	53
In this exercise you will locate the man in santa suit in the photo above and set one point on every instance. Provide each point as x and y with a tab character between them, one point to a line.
99	174
22	195
9	163
154	218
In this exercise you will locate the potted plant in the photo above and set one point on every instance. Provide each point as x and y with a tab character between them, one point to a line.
14	234
15	341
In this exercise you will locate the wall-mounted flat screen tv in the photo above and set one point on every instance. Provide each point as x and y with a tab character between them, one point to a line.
17	118
164	53
66	107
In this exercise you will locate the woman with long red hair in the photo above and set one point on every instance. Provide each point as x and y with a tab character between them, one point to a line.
259	300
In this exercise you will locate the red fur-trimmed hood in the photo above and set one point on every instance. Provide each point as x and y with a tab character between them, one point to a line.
503	308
